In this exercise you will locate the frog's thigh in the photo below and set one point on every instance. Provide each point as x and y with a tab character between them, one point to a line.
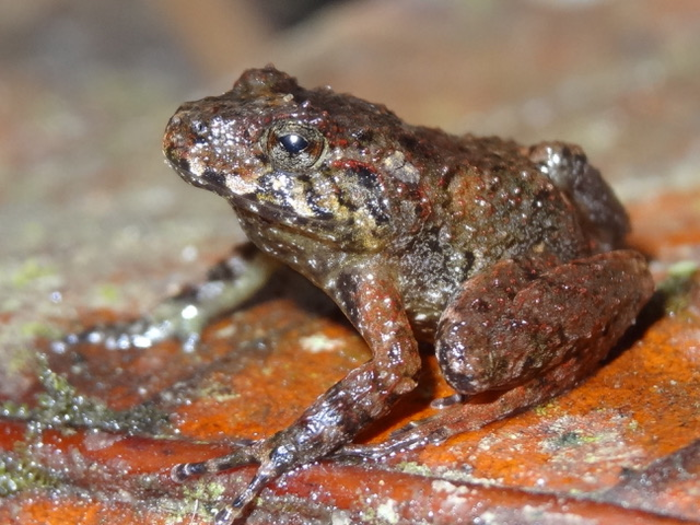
511	324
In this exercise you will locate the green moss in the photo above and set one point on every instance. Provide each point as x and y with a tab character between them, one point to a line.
31	271
546	409
109	293
574	438
35	329
18	472
60	406
678	286
198	501
412	467
205	490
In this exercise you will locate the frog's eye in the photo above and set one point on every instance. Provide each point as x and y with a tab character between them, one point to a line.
292	146
293	143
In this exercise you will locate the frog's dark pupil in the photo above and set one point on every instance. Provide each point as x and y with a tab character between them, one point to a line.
293	143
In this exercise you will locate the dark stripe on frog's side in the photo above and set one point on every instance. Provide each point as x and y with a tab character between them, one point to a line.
359	177
344	293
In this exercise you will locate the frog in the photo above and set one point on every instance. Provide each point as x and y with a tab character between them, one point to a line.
508	260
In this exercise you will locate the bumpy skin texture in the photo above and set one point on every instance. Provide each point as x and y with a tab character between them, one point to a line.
509	259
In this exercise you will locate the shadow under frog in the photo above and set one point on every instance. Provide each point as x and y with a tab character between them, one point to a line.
508	259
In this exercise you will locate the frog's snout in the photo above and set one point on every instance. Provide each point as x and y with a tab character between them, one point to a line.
173	139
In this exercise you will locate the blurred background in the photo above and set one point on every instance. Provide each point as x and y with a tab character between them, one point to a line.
91	217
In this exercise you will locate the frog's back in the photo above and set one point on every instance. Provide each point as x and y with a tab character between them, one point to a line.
489	202
500	205
489	199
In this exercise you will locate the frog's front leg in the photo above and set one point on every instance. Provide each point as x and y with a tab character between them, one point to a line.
184	316
363	396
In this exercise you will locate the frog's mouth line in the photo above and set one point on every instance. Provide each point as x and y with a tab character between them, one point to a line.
328	232
324	230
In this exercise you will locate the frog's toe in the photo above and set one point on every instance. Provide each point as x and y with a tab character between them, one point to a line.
119	336
407	438
226	515
448	401
243	456
141	333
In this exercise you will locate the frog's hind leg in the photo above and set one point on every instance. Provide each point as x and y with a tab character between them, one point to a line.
470	415
518	320
183	316
518	336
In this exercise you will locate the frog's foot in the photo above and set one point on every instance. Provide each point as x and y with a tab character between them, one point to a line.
183	316
242	457
408	437
168	321
567	167
270	454
413	436
473	414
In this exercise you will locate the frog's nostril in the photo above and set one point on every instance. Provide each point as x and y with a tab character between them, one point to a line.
173	141
199	128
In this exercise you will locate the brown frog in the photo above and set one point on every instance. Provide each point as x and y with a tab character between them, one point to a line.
509	259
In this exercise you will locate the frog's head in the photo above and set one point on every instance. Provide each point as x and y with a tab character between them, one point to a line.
318	163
